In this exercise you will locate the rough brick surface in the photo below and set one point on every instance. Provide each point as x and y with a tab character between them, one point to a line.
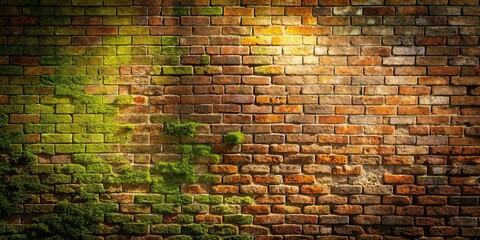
361	118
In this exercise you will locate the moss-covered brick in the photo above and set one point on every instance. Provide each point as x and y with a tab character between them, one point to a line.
223	229
67	11
39	128
149	218
118	60
52	99
116	21
136	228
167	60
87	138
86	118
176	11
101	108
195	229
11	70
225	209
64	70
86	159
164	118
57	178
207	237
117	138
185	218
170	40
141	40
38	50
179	199
94	188
87	178
118	40
69	168
175	50
177	70
165	188
69	89
24	99
69	148
239	200
55	80
118	218
42	168
207	70
195	208
10	50
87	99
168	229
238	237
39	108
109	127
150	198
101	11
101	51
165	208
55	118
71	127
55	60
209	199
70	108
54	20
101	148
99	168
42	148
207	11
56	138
238	219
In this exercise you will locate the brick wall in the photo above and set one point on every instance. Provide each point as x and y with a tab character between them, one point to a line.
361	117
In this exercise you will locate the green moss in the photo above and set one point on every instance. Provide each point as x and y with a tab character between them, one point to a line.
238	219
223	229
185	218
165	188
72	221
55	60
149	218
99	168
86	159
101	108
195	229
181	129
166	60
87	99
239	200
87	138
180	172
169	229
70	89
3	120
170	40
180	237
56	138
55	118
118	218
57	178
195	208
209	199
42	169
43	149
238	237
69	108
208	11
225	209
174	50
180	199
39	128
177	70
71	127
165	208
39	108
69	168
124	100
131	175
234	137
110	128
69	148
87	178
